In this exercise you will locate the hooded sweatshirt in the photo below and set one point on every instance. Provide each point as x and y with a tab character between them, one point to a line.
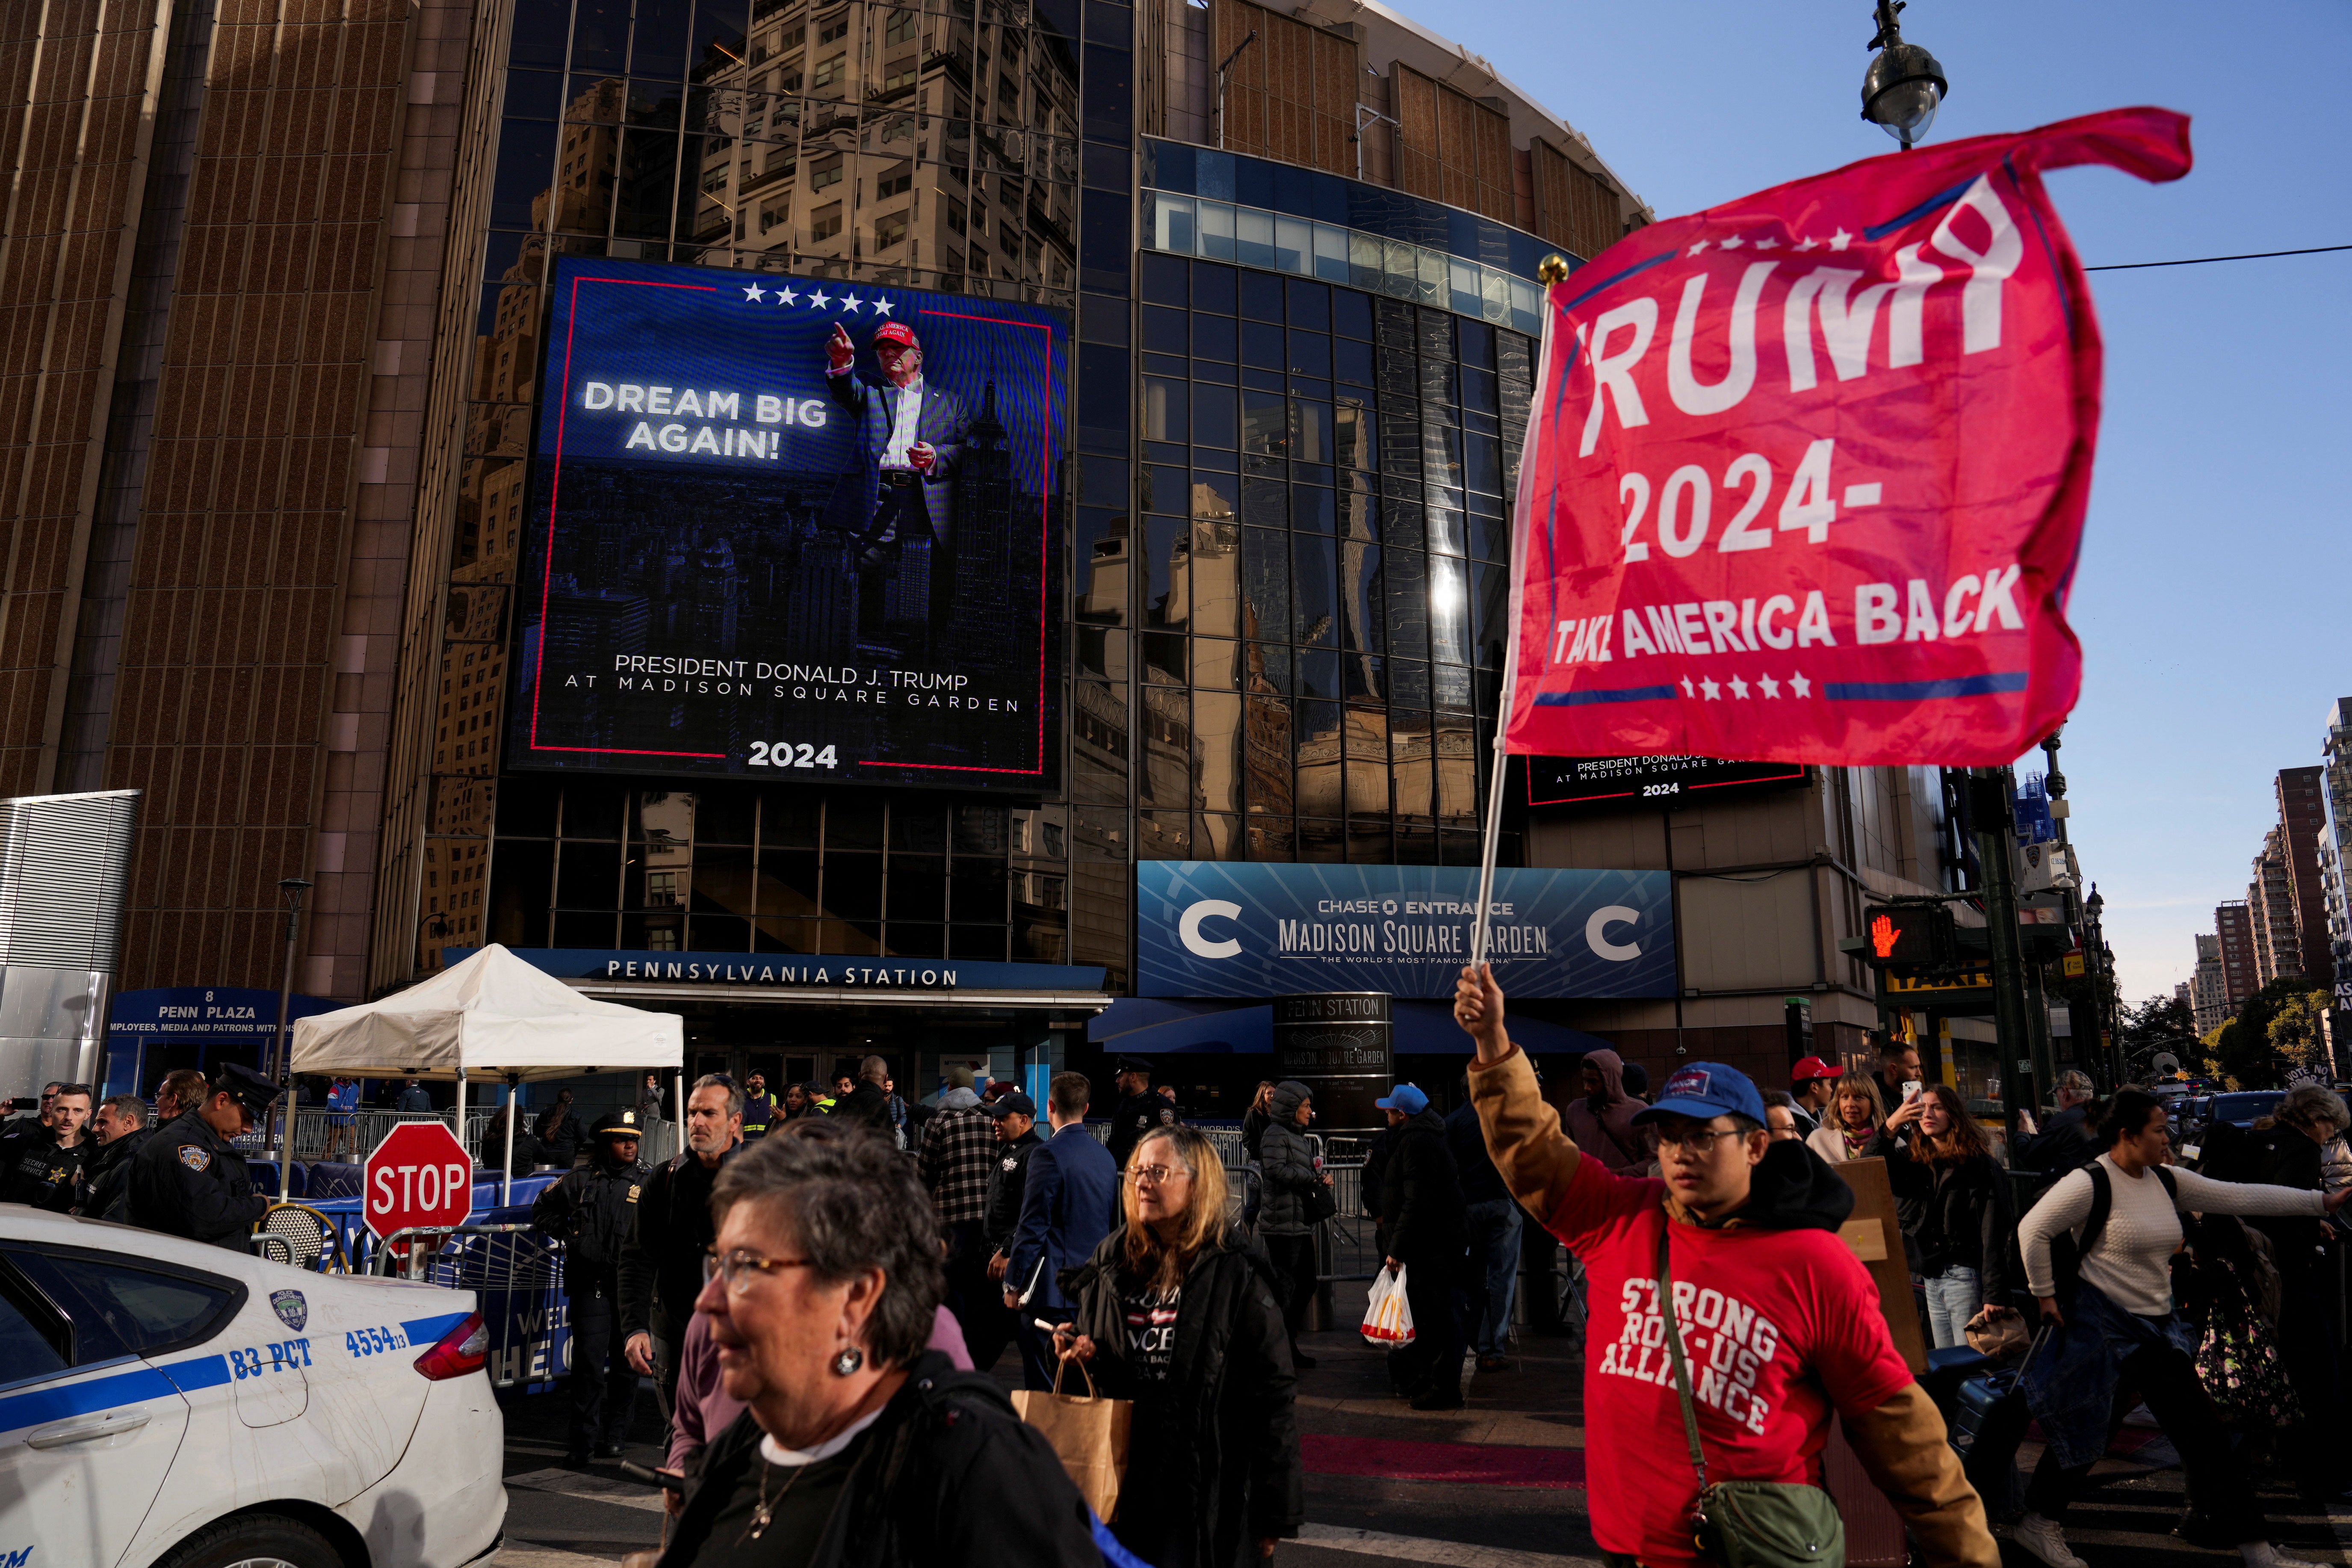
1602	1125
1780	1327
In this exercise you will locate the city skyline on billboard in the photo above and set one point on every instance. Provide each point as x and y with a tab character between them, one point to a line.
742	560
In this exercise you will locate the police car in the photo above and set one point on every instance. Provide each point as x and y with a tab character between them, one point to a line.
170	1404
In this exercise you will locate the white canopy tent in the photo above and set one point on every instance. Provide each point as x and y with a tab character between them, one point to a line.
492	1014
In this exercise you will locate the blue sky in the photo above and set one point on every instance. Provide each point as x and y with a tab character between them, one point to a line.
2211	597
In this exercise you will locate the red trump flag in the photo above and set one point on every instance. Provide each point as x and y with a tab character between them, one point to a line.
1807	472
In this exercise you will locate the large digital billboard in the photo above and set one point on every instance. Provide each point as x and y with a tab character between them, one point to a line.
791	528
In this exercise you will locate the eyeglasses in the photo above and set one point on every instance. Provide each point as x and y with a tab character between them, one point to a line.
740	1265
1698	1140
1158	1175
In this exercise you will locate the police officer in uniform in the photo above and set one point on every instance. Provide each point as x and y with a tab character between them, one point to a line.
1139	1111
189	1179
592	1210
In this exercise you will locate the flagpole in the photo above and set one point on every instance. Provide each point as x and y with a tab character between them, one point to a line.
1551	271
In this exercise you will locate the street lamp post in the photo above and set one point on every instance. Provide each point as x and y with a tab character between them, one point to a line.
282	1056
1903	85
1226	66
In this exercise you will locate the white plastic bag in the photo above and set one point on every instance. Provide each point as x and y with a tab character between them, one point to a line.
1388	1317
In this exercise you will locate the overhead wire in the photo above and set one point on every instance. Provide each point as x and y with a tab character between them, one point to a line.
2201	260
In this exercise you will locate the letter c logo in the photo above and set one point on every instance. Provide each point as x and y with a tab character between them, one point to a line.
1188	929
1595	928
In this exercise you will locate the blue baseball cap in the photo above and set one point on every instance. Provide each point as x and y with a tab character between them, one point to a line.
1404	1098
1705	1090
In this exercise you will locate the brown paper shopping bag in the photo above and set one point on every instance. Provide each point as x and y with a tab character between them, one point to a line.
1088	1435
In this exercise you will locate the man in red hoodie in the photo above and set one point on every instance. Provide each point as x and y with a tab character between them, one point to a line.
1779	1322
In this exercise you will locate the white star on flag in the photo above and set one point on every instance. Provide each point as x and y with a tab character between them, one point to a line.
786	296
1738	686
1800	686
1688	689
1767	243
1697	249
755	292
819	300
1709	688
881	307
851	304
1807	243
1771	687
1734	243
1840	239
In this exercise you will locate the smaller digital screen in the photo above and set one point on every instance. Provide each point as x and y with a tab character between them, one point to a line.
1588	781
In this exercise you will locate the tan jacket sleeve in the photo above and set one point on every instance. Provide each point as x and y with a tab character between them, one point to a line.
1523	1134
1902	1447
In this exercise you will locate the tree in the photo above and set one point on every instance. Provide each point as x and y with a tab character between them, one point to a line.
2295	1038
2158	1023
2248	1053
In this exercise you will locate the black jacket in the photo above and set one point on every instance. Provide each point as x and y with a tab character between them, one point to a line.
1954	1215
947	1477
187	1180
1481	1183
558	1141
661	1263
868	1104
1008	1178
1137	1115
1420	1193
1227	1448
1254	1125
37	1172
2276	1156
592	1210
108	1195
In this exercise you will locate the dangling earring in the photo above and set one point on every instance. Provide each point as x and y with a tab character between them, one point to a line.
847	1364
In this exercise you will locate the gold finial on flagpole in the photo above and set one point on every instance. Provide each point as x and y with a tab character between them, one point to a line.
1552	268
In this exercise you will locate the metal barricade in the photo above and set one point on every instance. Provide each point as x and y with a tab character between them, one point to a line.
515	1273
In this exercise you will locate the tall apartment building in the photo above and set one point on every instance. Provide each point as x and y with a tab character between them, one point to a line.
2335	845
2209	990
2303	829
2233	923
2270	901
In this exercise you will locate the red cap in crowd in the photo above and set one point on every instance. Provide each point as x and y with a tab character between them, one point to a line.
1812	1068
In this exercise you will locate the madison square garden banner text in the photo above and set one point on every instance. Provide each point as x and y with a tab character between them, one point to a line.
737	563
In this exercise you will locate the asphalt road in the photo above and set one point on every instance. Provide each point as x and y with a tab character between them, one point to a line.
1495	1485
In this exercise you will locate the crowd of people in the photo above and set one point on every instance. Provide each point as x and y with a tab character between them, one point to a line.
819	1285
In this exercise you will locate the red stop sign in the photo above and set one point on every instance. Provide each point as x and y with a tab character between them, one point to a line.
419	1176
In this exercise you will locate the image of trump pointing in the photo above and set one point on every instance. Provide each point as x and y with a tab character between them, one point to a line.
897	497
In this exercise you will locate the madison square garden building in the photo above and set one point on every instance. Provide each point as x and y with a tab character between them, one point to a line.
626	637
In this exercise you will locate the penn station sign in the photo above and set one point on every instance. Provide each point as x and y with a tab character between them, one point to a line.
1209	928
789	971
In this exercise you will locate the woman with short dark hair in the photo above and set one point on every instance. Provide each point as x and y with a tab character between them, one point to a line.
1177	1311
858	1449
2117	1319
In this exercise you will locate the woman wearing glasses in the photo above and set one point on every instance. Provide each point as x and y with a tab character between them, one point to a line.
1177	1312
857	1447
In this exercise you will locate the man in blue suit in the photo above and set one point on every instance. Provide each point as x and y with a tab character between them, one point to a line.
1070	1204
897	497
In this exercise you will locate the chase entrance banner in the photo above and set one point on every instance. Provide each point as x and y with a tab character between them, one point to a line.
1807	472
1223	928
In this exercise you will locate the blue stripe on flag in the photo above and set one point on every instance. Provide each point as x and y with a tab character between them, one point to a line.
1620	694
1878	230
1919	690
1620	277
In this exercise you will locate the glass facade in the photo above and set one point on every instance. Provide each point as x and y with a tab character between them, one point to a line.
1300	404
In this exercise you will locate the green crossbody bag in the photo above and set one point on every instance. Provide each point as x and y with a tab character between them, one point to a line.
1749	1524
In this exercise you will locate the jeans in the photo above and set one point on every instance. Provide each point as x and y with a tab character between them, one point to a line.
1491	1282
2217	1484
1953	1298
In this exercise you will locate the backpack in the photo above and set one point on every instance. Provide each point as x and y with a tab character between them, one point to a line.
2067	1249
